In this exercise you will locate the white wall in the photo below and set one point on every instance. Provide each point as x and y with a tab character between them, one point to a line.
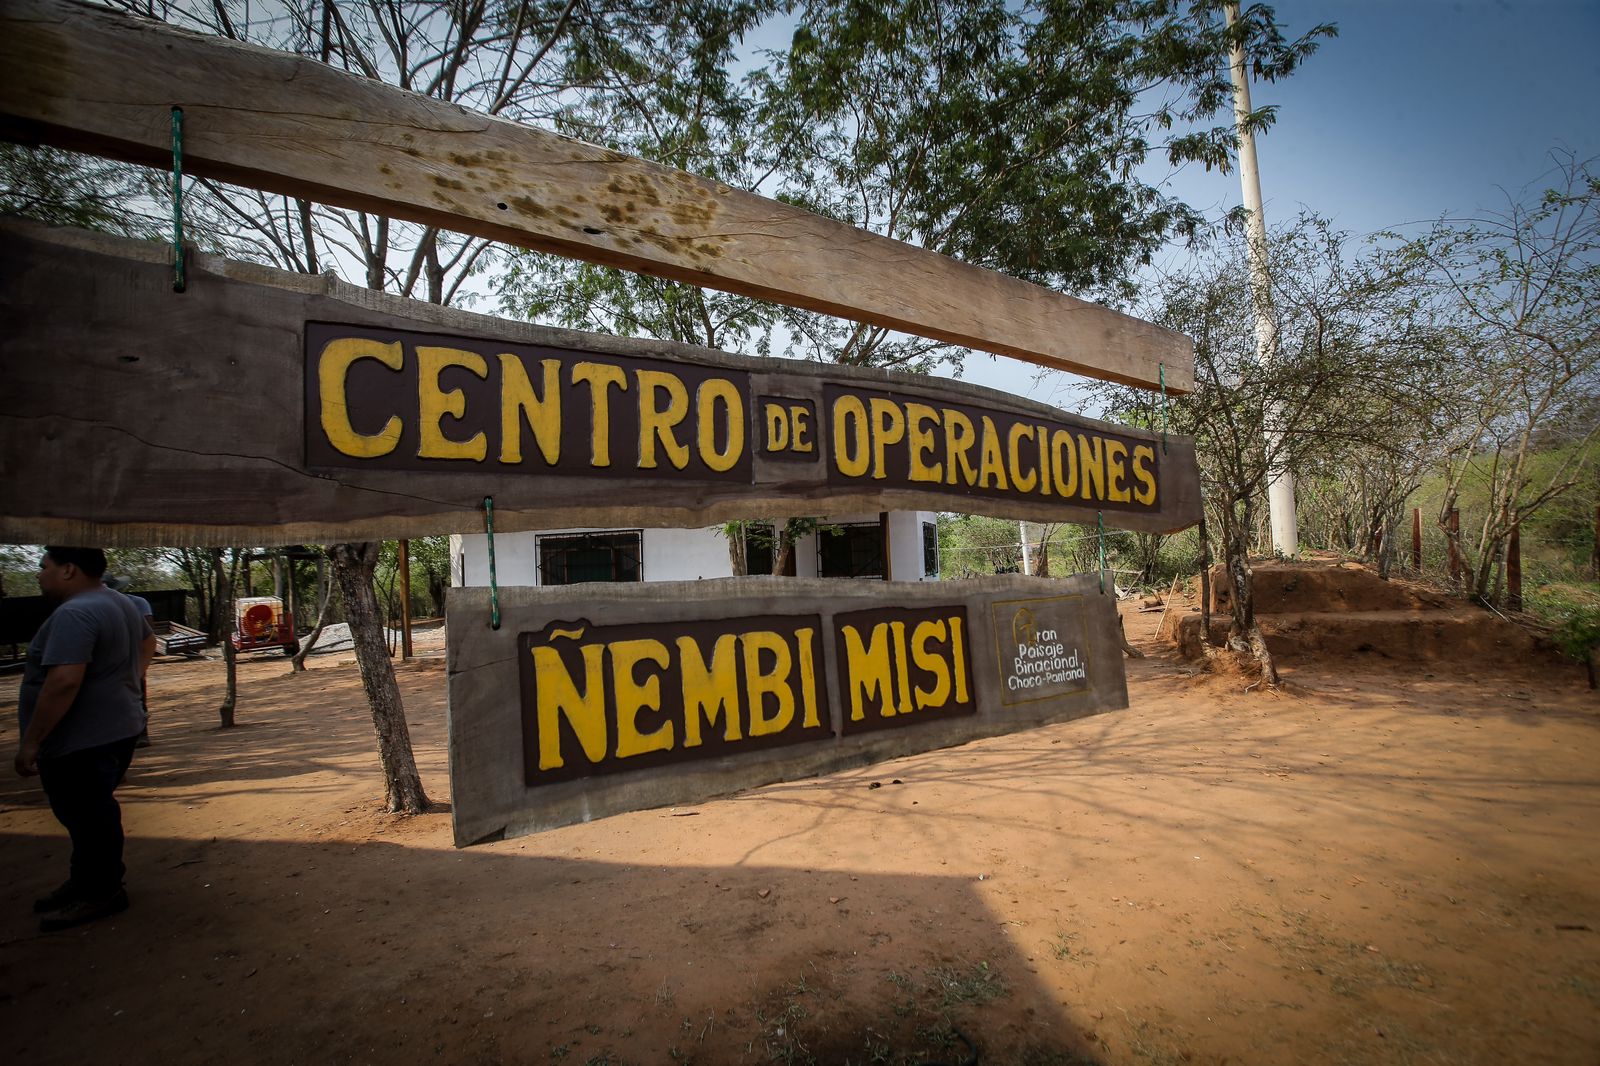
675	554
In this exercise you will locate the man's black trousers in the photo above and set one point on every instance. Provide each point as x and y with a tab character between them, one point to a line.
81	786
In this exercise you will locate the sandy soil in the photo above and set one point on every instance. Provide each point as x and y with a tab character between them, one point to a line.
1385	863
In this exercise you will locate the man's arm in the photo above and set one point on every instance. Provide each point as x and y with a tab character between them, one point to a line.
60	688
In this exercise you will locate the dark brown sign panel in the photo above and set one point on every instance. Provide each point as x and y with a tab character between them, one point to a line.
988	453
401	400
691	689
901	667
280	408
602	699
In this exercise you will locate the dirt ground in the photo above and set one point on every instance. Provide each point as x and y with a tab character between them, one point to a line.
1383	863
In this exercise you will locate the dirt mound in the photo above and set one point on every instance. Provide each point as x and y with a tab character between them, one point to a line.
1317	585
1321	608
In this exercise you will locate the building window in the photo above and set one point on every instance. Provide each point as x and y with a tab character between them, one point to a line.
930	549
758	548
569	558
850	551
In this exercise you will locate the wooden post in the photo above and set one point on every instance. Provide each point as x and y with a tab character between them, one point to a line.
1416	539
405	599
1514	568
91	80
1455	541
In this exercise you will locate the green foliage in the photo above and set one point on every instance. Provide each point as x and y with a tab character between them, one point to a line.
67	189
1005	135
1573	612
1518	292
664	90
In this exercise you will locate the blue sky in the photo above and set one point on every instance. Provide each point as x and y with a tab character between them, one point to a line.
1417	108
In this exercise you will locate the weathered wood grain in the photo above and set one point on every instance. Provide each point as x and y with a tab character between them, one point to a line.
133	415
92	80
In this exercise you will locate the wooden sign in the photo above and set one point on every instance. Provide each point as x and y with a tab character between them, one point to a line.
686	690
264	407
93	80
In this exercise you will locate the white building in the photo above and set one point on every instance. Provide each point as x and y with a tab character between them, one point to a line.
849	546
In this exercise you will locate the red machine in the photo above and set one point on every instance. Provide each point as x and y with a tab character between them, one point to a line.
261	623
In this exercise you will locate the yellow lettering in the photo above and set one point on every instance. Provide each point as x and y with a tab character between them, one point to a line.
600	377
958	441
435	403
655	424
1117	472
808	677
1018	432
922	443
868	669
930	663
851	453
761	684
1143	456
709	691
1092	466
901	667
333	372
800	417
777	428
558	697
542	412
1044	460
993	462
888	427
712	392
1065	461
958	658
633	697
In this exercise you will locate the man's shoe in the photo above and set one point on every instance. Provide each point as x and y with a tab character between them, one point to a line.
85	910
63	895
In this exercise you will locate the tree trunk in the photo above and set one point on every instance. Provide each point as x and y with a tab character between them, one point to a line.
353	566
222	602
1244	635
782	547
1122	634
1205	584
737	557
324	603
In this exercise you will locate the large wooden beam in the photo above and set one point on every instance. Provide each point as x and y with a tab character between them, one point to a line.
92	80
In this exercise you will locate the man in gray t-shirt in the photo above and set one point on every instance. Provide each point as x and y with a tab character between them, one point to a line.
80	712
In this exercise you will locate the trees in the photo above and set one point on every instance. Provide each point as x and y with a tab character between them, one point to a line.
1518	291
1353	378
1004	135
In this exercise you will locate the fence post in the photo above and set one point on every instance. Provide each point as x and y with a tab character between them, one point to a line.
1416	539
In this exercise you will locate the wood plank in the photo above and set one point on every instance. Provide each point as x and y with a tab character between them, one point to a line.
92	80
133	415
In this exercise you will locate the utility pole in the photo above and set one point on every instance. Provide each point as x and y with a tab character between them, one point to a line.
1280	483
